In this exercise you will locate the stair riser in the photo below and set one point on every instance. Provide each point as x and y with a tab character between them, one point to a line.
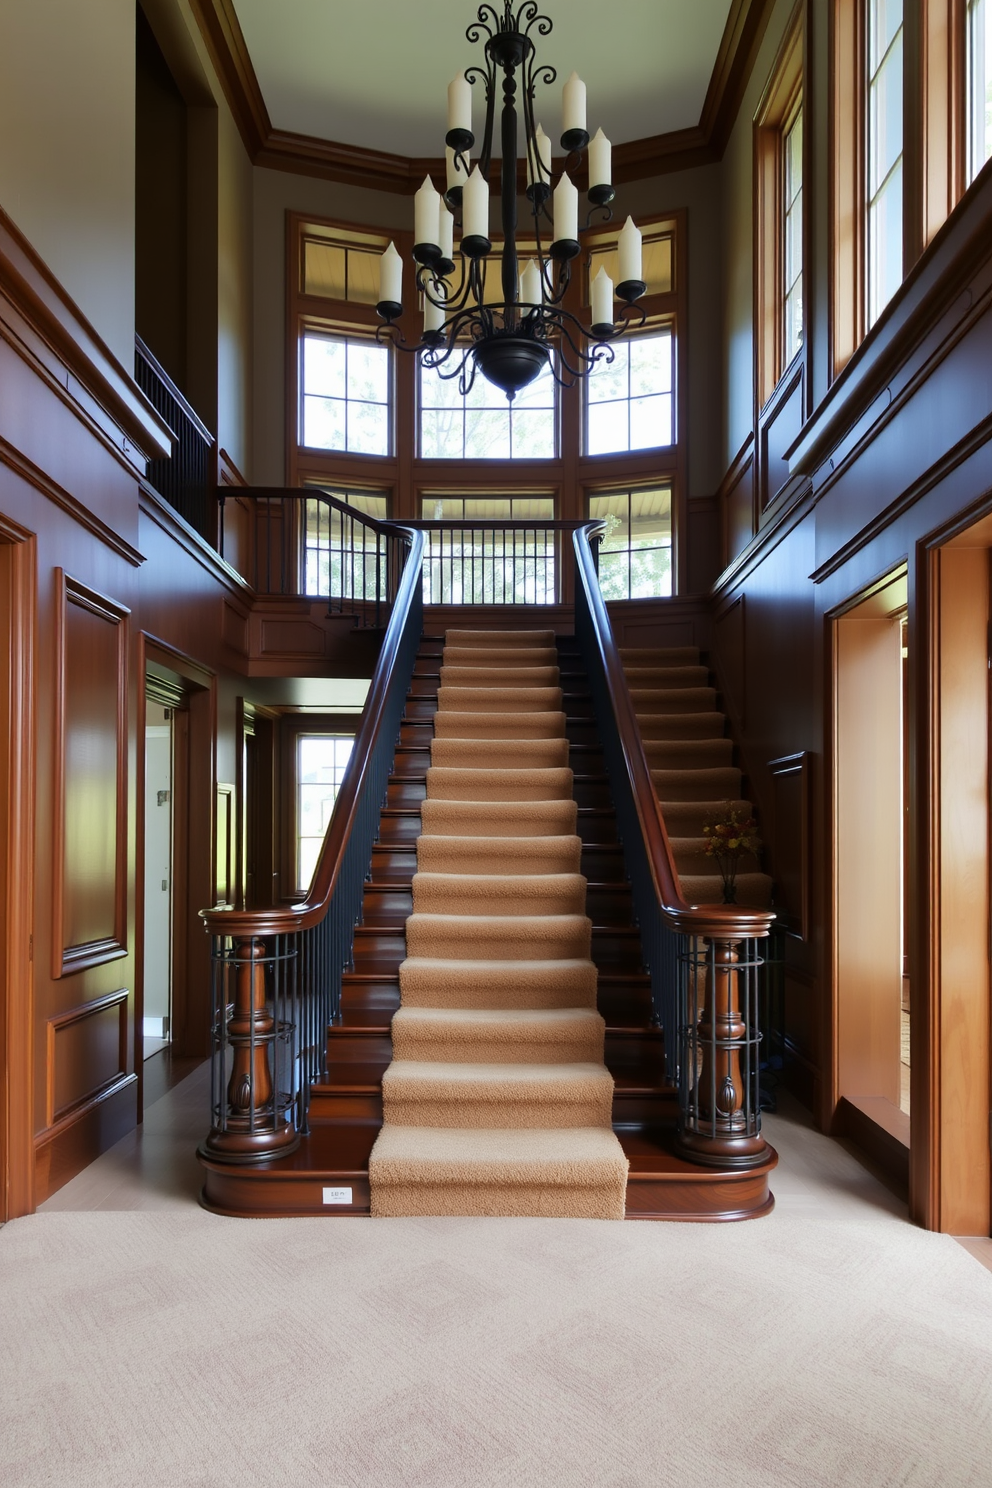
589	793
391	906
396	864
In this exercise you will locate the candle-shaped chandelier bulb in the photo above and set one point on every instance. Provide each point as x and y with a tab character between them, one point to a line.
600	160
566	212
601	312
539	159
574	135
530	284
426	218
446	237
460	113
631	284
475	215
391	279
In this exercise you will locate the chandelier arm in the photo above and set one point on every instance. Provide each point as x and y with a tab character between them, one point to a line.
530	14
606	217
481	27
546	75
453	301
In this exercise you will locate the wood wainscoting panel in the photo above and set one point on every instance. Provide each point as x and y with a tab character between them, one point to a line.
730	643
736	501
778	428
89	889
225	890
789	840
87	1053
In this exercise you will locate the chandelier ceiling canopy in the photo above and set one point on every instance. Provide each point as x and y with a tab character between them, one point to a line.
515	334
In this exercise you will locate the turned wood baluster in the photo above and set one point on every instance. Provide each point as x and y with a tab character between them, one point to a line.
251	1129
718	1129
249	1089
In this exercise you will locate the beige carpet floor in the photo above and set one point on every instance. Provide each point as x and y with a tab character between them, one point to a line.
497	1101
175	1348
147	1344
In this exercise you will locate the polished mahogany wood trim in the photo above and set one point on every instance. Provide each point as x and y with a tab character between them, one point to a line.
154	506
67	1019
99	389
17	781
246	923
15	460
943	126
69	959
307	155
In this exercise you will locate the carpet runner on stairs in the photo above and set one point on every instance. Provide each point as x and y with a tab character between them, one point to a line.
692	765
497	1101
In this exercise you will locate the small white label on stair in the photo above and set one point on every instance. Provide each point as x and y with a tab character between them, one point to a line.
337	1195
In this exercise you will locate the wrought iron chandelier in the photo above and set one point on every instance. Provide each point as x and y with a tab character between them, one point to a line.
513	338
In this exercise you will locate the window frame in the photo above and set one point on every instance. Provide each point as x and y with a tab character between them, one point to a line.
291	727
592	492
783	96
406	476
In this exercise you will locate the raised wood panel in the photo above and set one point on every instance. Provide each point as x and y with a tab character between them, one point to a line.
778	429
736	500
730	641
87	1052
18	567
789	839
661	622
90	850
291	638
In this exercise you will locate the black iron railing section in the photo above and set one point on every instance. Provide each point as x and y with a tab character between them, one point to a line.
311	544
277	973
706	962
186	480
502	563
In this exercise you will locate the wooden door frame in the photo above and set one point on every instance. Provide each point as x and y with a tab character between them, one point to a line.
942	1025
17	782
194	786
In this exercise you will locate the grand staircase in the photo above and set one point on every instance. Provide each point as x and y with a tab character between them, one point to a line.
329	1172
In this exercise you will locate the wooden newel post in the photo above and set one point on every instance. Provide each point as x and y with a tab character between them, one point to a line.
720	1121
251	1127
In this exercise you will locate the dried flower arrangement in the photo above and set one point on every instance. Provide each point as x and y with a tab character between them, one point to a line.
729	838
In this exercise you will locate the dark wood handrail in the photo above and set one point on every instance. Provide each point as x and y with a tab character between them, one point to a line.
259	922
721	920
314	493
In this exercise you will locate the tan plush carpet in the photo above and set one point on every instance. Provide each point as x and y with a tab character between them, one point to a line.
692	765
497	1101
160	1350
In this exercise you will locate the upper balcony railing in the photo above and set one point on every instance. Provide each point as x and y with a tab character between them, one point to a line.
186	480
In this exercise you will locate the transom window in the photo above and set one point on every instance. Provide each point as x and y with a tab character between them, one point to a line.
346	403
629	399
635	557
979	47
484	425
321	760
792	224
885	153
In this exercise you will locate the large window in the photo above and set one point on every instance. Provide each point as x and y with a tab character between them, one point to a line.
885	153
979	55
635	558
629	399
346	383
321	760
484	425
385	436
792	235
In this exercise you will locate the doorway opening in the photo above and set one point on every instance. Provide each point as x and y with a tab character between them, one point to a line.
872	992
159	837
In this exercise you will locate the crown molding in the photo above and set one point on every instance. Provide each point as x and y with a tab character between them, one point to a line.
352	165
